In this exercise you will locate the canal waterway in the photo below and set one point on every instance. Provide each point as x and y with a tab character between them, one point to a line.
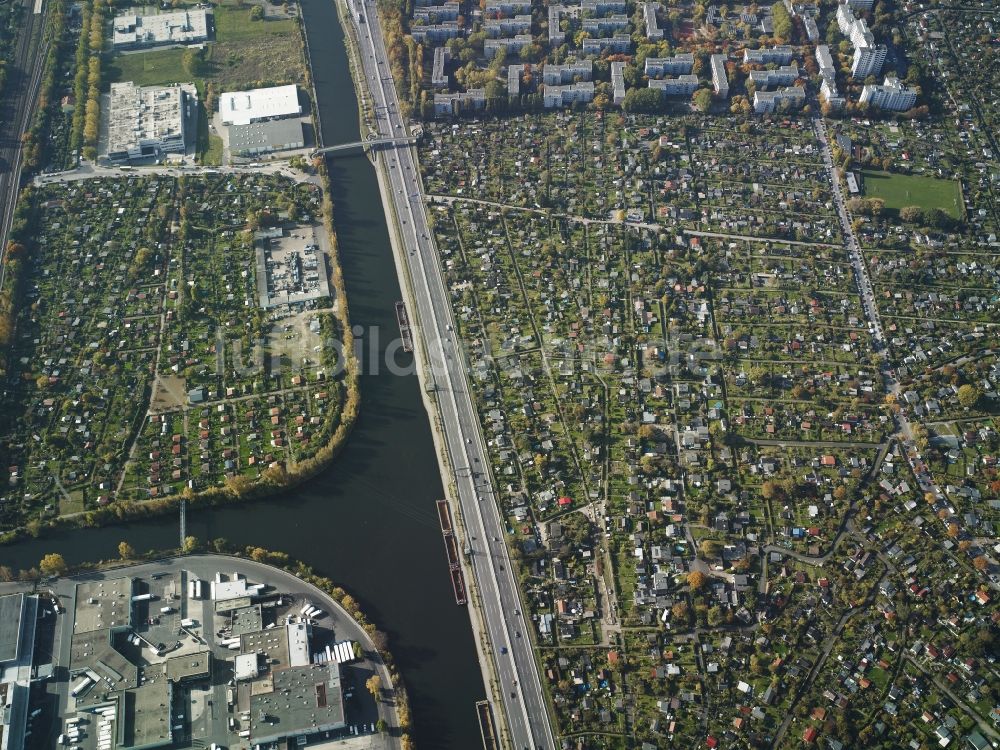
369	521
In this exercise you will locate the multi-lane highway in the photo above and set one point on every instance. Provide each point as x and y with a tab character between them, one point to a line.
520	686
24	73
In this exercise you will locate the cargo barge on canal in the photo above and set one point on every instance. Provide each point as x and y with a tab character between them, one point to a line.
403	319
451	547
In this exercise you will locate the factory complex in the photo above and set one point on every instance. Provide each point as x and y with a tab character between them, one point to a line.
172	659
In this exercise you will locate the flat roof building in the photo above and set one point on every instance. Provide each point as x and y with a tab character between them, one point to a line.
783	76
606	25
455	103
556	35
828	90
266	137
508	26
680	64
103	605
765	102
245	107
147	121
507	45
653	31
868	56
619	43
446	12
679	86
780	55
439	76
18	618
720	81
558	75
812	30
507	7
437	33
561	96
178	27
618	81
892	95
304	701
868	60
514	80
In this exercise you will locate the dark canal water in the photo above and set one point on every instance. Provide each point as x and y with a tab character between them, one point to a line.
368	522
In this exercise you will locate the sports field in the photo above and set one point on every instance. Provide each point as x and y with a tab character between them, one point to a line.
901	190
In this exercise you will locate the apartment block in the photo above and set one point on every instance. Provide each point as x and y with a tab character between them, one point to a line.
563	96
892	95
618	43
618	81
720	81
765	102
559	75
439	78
653	31
508	45
767	79
677	65
679	86
780	55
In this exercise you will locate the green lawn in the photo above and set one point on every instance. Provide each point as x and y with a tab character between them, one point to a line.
899	191
154	68
233	24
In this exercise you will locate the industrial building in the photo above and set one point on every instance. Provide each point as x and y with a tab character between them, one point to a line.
892	95
266	137
149	121
178	27
257	105
18	617
291	267
142	650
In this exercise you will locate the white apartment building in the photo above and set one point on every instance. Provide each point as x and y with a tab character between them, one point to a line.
679	86
720	81
677	65
892	95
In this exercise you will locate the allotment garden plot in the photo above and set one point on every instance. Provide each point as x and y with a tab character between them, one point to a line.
142	366
648	396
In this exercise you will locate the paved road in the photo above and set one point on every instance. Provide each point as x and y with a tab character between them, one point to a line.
87	171
24	73
520	689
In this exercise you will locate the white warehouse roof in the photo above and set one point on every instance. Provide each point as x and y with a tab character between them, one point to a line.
245	107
